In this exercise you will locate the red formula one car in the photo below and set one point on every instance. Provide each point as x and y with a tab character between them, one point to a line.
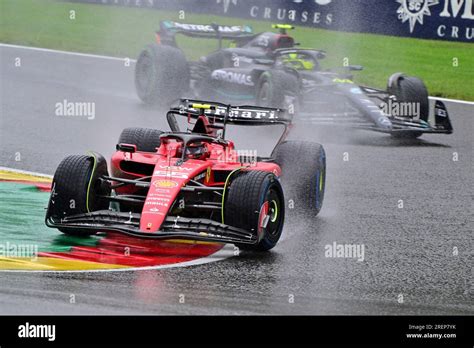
190	185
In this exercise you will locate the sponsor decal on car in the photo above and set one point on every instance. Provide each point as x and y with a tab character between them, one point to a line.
159	194
232	77
161	204
247	113
207	28
200	176
154	211
161	199
160	191
175	168
165	183
170	174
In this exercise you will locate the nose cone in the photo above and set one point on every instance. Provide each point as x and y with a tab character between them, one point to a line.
161	195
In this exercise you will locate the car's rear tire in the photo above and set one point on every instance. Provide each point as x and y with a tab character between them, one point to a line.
145	139
76	188
251	196
278	89
303	166
161	74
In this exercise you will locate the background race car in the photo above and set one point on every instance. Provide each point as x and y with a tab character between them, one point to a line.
269	70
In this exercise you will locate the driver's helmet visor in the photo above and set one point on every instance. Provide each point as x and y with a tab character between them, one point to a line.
195	150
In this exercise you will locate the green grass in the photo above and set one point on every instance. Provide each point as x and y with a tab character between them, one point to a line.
123	32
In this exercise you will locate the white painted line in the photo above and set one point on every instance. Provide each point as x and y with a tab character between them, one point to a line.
19	171
453	100
134	61
67	52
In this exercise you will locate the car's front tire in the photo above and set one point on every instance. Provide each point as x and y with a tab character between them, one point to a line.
76	189
252	198
410	89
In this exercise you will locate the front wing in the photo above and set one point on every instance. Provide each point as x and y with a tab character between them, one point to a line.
404	125
174	227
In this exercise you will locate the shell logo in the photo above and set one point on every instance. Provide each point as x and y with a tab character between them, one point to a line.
165	183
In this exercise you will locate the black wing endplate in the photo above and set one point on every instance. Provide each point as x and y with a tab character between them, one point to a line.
442	120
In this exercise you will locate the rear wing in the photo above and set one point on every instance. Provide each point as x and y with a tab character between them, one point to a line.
212	118
244	115
168	30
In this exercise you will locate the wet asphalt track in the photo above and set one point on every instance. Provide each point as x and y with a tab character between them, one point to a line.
408	251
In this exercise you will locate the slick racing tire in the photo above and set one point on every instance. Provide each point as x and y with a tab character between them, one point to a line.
76	188
278	89
303	166
409	89
255	202
145	139
161	75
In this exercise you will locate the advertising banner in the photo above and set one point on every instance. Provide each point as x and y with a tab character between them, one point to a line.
428	19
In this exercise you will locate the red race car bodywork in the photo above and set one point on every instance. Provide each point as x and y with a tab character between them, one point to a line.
192	185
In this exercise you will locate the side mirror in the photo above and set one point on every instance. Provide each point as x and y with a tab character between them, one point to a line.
355	67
